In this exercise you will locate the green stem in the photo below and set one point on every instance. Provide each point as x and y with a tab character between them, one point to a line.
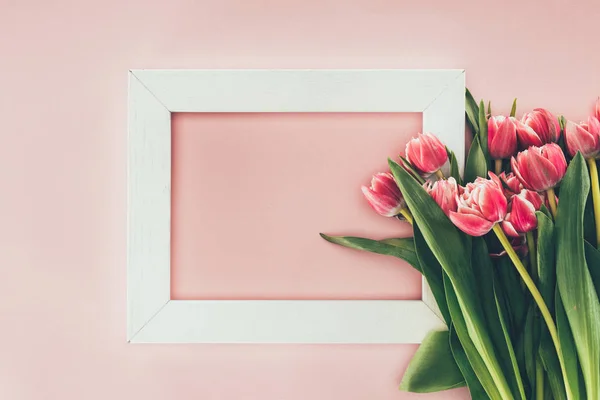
440	174
407	215
537	296
498	166
539	379
595	196
552	201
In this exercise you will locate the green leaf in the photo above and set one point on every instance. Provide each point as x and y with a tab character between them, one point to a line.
449	246
472	111
569	352
483	131
517	302
573	277
413	171
476	162
484	275
432	368
546	259
589	222
460	357
513	110
401	248
454	169
489	110
531	341
547	285
592	255
432	271
477	363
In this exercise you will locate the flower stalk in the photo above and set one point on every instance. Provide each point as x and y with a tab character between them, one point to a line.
552	201
407	215
595	196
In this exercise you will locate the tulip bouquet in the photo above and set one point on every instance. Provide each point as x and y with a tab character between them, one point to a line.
509	250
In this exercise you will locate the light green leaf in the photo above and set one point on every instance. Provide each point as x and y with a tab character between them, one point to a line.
477	363
401	248
472	111
573	277
432	271
454	170
513	110
546	250
432	368
476	162
475	389
569	351
413	171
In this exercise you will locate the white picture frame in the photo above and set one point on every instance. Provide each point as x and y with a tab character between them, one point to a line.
152	317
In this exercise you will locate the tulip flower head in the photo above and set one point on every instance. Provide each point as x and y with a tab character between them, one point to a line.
480	206
540	168
444	192
384	196
584	138
520	218
538	128
426	153
502	137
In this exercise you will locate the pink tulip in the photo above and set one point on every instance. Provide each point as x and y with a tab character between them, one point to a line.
480	207
584	138
444	192
538	128
512	186
426	153
597	109
520	218
540	168
502	137
384	196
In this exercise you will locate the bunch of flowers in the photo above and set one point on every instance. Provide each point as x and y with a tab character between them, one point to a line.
514	270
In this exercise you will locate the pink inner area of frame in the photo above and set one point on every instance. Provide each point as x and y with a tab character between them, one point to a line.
251	192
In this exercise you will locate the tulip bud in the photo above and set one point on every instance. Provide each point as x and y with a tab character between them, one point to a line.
480	207
444	192
426	153
384	196
538	128
502	137
540	168
584	138
520	218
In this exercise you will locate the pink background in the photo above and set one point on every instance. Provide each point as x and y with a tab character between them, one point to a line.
63	155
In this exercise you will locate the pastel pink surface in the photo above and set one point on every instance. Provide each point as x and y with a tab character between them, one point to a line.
63	159
252	191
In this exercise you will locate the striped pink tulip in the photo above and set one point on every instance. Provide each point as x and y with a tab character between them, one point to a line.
538	128
583	137
481	206
540	168
502	137
383	195
426	153
444	192
520	218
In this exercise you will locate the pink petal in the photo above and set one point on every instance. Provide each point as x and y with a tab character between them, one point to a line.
471	224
